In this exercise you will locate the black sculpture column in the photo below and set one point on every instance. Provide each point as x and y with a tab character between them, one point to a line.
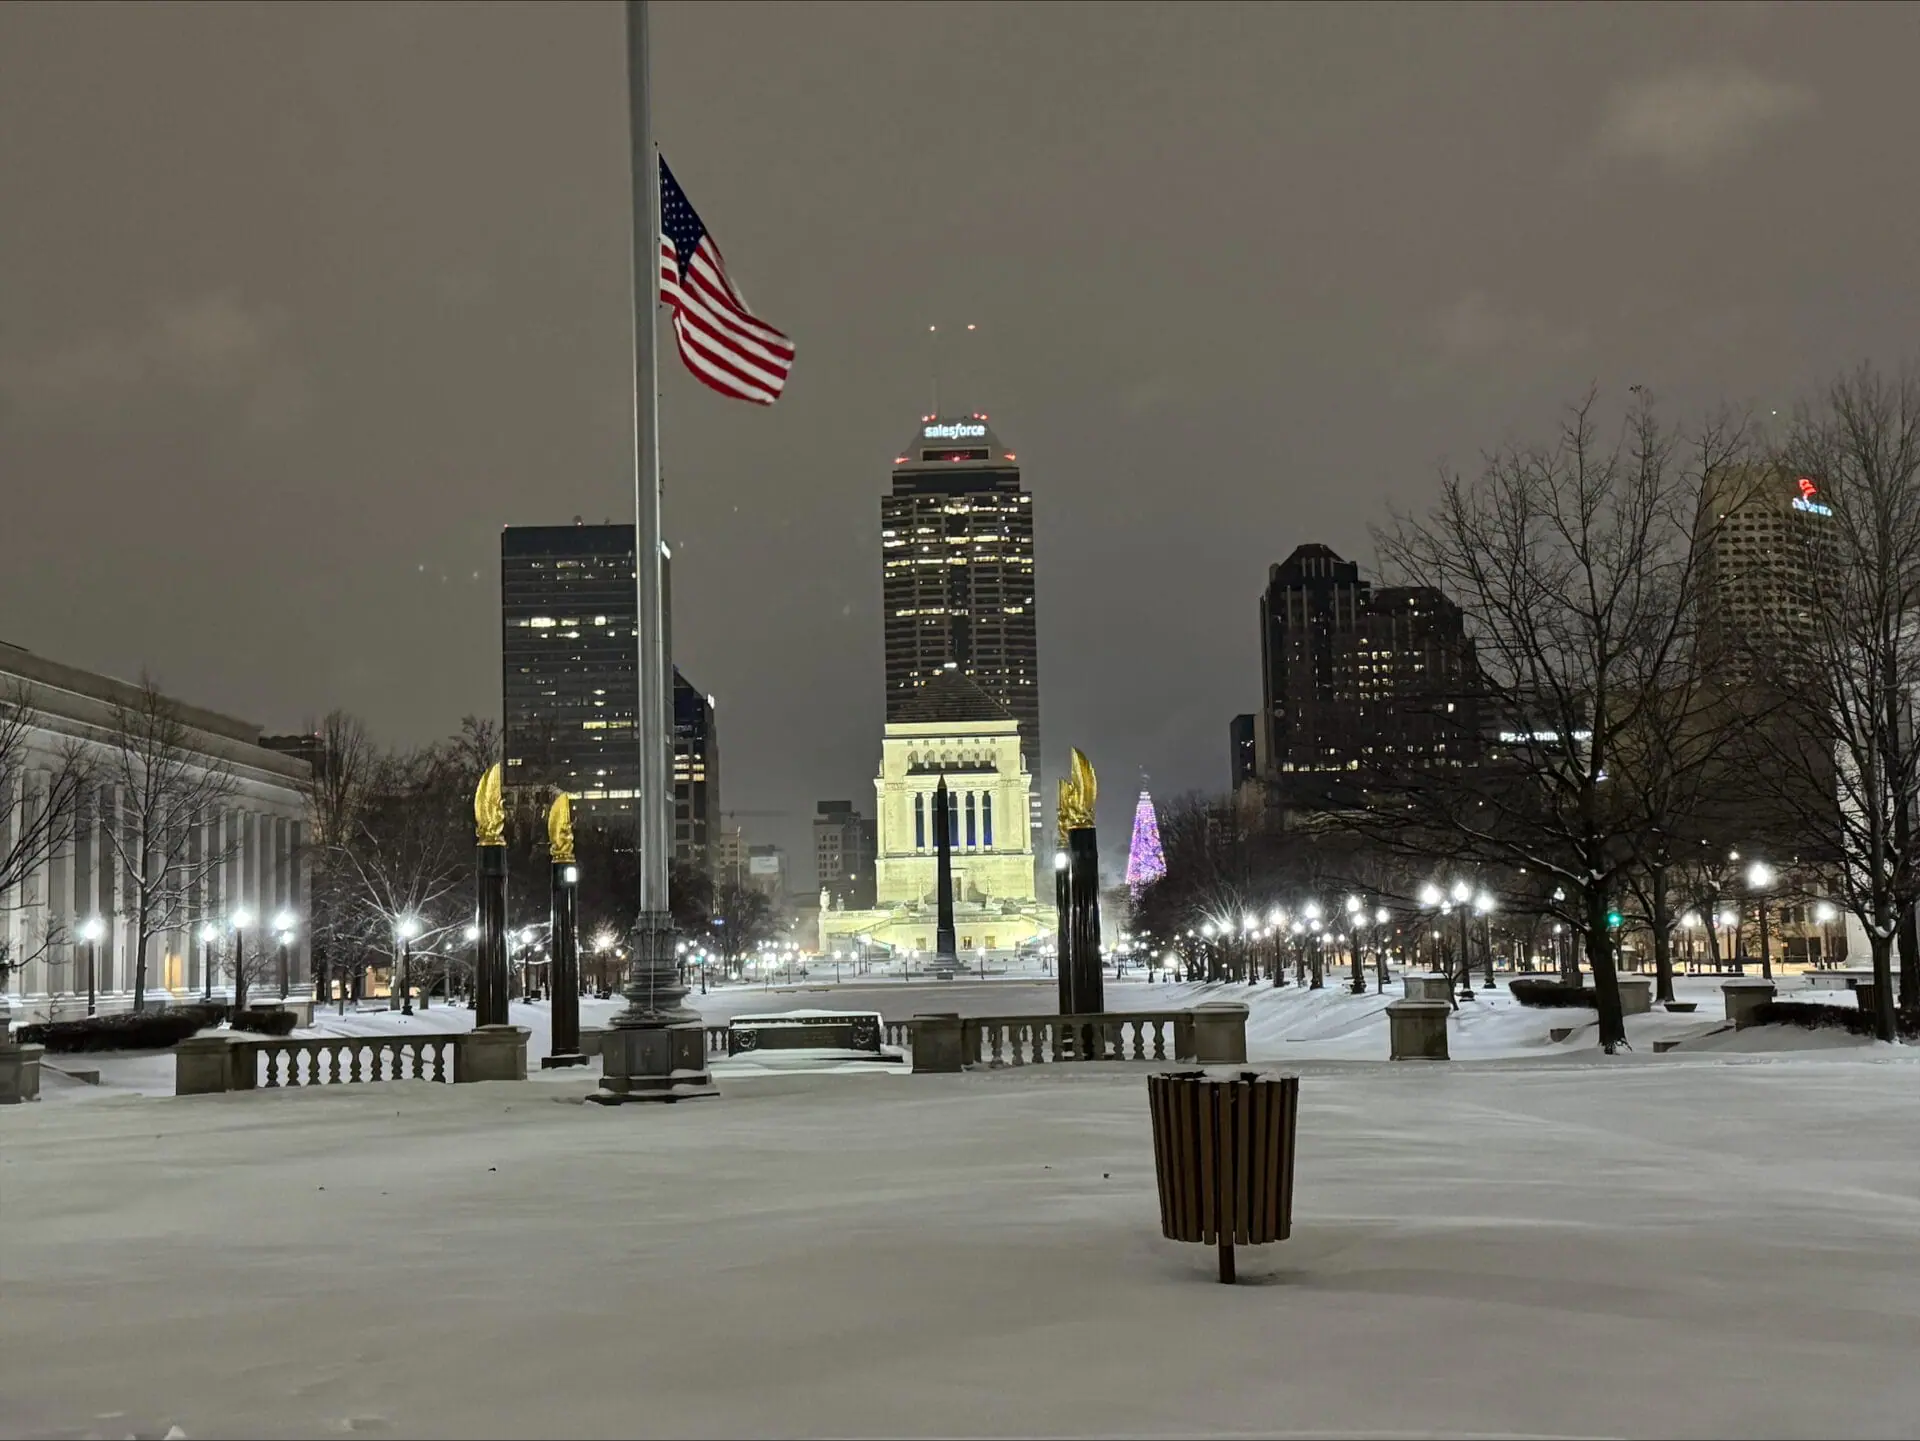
490	951
563	979
1082	990
945	945
1083	902
1062	931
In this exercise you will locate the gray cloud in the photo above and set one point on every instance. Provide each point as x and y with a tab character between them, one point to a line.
212	344
1688	118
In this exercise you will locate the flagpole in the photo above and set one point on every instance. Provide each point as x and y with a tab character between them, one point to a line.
656	1048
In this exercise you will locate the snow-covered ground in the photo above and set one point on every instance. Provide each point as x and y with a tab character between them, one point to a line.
1689	1247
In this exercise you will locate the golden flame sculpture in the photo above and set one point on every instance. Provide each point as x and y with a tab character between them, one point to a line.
560	830
489	815
1077	794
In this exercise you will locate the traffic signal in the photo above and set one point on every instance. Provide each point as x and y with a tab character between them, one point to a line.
1614	918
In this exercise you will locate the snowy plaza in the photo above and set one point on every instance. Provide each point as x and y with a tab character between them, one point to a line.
1529	1240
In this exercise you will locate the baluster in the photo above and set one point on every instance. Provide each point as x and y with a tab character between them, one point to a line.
272	1054
294	1058
1053	1041
1019	1038
1159	1039
353	1055
1138	1051
993	1042
440	1060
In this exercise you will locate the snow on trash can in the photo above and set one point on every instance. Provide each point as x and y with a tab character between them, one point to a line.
1223	1144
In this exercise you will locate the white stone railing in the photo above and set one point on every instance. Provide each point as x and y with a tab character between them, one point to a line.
220	1061
1212	1034
268	1065
1038	1040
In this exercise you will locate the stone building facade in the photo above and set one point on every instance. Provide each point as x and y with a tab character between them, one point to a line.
257	839
950	729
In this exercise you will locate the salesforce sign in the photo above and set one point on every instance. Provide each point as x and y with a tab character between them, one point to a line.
955	432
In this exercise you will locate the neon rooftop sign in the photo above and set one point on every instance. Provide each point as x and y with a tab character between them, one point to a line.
954	432
1805	499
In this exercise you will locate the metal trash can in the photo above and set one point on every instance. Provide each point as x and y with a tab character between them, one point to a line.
1223	1145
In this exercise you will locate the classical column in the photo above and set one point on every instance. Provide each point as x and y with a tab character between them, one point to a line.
490	953
563	936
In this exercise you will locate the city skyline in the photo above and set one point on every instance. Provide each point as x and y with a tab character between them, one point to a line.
324	427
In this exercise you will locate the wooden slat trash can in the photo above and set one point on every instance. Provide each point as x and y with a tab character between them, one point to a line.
1223	1145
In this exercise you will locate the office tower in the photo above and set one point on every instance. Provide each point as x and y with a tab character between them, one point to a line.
958	589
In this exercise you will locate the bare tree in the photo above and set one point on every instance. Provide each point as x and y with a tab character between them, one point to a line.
337	796
44	798
742	918
1847	723
1574	566
411	854
164	790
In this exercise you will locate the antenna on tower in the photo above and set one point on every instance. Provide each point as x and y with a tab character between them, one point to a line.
933	346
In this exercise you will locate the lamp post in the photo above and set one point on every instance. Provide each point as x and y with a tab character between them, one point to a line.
406	928
90	931
1824	915
238	923
1357	923
473	939
1483	903
1461	894
1312	912
209	933
283	925
1759	880
1730	923
1380	919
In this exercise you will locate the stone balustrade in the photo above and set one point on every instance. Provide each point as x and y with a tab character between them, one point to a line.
219	1061
1212	1034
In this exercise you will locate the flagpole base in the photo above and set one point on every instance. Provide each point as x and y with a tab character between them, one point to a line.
654	1063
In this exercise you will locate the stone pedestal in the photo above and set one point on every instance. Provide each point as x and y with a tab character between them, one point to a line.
19	1072
1220	1033
1636	995
936	1044
654	1063
491	1053
1744	997
1427	987
1418	1030
656	1049
204	1066
590	1039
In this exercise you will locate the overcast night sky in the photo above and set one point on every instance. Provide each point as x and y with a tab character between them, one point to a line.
300	304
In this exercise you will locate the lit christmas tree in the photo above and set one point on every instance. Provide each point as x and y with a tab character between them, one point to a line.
1145	862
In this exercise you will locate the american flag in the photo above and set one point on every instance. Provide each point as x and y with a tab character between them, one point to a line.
722	342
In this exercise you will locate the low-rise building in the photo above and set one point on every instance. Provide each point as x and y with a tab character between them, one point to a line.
68	924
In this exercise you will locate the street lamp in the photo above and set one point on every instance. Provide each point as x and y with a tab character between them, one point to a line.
283	925
238	923
90	931
406	928
1483	903
209	933
1729	922
1759	880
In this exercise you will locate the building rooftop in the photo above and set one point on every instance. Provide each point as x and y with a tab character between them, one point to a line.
950	698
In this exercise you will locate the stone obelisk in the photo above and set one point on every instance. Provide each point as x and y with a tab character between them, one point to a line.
946	946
